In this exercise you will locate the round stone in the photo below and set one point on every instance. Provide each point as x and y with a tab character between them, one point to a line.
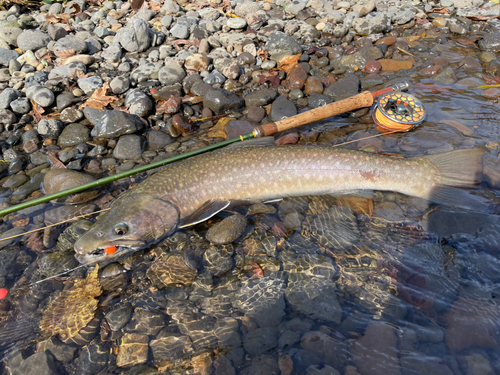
197	61
236	23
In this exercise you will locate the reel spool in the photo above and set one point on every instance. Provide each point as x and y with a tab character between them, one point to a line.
397	110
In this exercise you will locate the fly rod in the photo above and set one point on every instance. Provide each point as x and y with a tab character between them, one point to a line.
362	100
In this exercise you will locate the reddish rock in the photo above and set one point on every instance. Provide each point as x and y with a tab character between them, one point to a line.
430	71
491	93
182	123
395	65
170	106
287	139
388	41
373	66
231	71
313	84
297	77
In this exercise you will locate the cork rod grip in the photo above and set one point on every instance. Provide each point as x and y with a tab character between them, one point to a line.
365	99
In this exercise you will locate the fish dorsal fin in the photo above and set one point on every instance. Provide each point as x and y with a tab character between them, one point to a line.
205	212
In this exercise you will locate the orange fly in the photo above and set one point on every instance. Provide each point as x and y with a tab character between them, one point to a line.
110	250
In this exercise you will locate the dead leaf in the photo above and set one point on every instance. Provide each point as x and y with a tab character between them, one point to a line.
136	5
154	6
99	100
54	160
64	55
53	19
438	10
262	53
288	62
271	77
492	80
37	111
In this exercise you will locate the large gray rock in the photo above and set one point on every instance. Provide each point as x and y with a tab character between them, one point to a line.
170	74
260	97
135	37
49	129
113	53
68	70
129	147
220	101
344	88
70	42
169	6
41	363
115	123
371	24
490	41
10	34
40	95
282	108
32	40
279	44
6	55
7	96
73	135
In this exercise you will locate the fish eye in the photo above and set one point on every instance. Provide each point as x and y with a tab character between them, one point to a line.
121	229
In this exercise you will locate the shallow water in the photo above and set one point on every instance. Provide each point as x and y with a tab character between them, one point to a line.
313	285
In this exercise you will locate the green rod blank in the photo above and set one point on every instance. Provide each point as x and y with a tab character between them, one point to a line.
109	179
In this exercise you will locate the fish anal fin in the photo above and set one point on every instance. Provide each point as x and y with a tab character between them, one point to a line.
205	212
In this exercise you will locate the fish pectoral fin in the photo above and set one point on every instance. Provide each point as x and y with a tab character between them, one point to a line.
205	212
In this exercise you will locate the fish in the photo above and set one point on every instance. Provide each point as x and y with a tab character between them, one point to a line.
193	190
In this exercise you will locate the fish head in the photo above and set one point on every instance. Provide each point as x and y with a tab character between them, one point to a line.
133	223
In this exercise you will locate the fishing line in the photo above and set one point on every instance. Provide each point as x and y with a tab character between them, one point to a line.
53	225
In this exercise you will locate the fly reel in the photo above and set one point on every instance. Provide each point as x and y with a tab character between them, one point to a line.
398	111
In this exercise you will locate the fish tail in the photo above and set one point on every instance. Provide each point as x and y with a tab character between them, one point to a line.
460	168
456	169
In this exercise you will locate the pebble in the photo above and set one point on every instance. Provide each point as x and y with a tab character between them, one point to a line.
7	96
197	62
260	97
282	108
70	42
133	350
119	85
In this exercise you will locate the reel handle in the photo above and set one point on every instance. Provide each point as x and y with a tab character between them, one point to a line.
365	99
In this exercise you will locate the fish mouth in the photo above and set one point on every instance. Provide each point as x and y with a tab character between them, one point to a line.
99	256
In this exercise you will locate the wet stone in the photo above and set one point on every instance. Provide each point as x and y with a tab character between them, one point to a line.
260	340
73	135
171	74
171	348
71	115
376	352
220	101
255	114
297	77
330	350
39	363
262	365
57	180
343	88
236	128
115	123
282	108
318	100
279	44
133	350
129	147
445	76
325	370
93	358
158	139
119	85
260	97
49	129
145	322
313	84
